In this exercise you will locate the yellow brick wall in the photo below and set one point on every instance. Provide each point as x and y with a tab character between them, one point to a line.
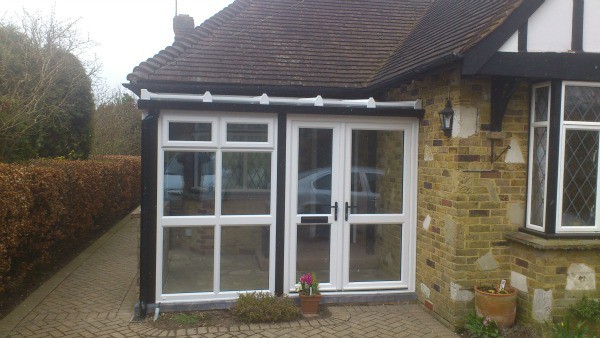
466	197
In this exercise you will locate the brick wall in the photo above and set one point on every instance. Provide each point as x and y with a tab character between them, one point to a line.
465	203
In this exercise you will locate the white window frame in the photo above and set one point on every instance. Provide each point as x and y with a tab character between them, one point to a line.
532	127
407	219
188	119
574	125
218	145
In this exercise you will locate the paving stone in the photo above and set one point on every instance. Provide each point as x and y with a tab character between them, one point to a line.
95	298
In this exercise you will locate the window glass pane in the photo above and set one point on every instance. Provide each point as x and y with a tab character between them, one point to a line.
189	183
538	177
246	183
375	252
188	259
582	103
377	171
189	131
242	132
314	170
542	96
312	252
244	258
580	178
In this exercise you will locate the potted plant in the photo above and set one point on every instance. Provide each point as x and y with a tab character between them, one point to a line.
497	302
310	297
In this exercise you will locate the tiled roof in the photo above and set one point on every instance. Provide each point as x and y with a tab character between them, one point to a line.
345	44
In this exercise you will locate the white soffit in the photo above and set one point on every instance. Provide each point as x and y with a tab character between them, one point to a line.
264	99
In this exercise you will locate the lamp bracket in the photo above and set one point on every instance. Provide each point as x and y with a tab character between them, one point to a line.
495	158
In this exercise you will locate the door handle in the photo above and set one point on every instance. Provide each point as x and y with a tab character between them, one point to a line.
335	211
349	207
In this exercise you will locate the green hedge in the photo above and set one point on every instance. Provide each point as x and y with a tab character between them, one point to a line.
49	207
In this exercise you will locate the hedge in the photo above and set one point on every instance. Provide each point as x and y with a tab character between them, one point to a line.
49	207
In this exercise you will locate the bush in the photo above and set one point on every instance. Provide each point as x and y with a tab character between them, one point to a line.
264	308
47	207
586	309
481	327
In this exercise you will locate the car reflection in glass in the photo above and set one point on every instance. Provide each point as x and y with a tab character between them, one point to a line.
314	190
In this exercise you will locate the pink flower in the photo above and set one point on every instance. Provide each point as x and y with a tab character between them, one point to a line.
487	321
306	279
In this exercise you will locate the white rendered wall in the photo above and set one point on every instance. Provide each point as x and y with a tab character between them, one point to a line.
511	45
549	28
591	26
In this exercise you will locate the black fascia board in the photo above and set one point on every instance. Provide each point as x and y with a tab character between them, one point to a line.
287	109
478	55
565	66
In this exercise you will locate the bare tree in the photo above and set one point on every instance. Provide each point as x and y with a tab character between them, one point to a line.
35	55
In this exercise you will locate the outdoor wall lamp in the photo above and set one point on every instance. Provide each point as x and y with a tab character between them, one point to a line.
447	118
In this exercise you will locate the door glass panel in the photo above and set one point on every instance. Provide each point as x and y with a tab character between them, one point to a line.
375	252
246	183
189	183
188	131
188	259
377	171
314	170
580	178
244	258
313	250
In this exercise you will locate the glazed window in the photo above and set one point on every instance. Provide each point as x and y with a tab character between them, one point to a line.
573	132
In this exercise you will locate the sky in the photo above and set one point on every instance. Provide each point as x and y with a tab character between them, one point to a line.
126	32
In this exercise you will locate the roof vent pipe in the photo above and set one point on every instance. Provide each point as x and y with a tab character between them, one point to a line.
183	24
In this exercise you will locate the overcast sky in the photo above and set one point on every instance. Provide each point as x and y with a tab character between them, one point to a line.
127	31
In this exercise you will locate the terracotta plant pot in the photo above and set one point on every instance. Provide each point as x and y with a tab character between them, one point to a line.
500	307
310	304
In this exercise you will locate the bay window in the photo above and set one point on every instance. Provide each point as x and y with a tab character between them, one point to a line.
563	159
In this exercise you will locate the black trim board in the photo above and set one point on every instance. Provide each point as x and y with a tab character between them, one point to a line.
258	108
564	66
479	54
577	31
553	159
280	202
522	38
148	213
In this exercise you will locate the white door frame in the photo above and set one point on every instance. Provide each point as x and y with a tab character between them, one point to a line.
339	263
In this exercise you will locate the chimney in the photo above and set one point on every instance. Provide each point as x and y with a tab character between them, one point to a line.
182	24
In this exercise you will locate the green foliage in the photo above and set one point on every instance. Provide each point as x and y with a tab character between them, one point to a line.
48	206
46	100
186	319
586	309
117	126
565	329
481	327
264	308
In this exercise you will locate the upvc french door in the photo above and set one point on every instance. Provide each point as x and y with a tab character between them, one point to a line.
352	203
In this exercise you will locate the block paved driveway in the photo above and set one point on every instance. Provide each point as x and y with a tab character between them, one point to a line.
94	295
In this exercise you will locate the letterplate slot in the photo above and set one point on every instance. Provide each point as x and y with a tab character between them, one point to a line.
314	220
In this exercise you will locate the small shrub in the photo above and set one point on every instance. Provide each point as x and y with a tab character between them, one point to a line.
586	309
565	329
481	327
264	308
